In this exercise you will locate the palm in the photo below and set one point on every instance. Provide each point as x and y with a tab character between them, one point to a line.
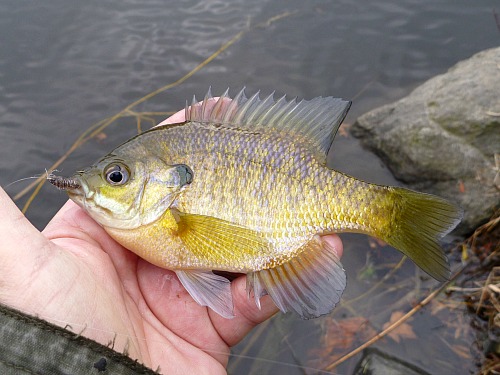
84	280
76	276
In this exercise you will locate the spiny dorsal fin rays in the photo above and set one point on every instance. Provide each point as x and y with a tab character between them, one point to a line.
217	112
235	103
315	121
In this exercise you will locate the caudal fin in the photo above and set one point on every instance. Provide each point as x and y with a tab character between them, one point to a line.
421	221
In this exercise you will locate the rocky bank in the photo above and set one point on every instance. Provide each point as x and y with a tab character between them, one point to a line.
444	138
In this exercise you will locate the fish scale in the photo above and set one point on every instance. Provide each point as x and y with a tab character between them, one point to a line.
242	173
323	202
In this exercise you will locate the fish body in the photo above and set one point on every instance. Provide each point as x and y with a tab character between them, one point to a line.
242	186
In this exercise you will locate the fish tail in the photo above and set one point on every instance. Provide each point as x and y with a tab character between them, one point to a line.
419	222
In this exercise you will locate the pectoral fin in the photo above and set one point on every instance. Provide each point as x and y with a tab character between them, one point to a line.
209	290
215	243
219	242
310	284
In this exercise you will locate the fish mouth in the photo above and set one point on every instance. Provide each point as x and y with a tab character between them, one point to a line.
79	191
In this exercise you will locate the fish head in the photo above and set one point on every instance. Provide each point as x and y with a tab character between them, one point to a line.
126	194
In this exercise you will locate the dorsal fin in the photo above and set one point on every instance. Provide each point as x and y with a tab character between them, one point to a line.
314	121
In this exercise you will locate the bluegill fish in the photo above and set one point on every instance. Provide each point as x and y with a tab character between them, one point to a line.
242	186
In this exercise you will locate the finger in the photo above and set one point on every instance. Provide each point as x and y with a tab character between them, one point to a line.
247	314
336	243
17	234
71	221
175	118
13	224
22	247
181	115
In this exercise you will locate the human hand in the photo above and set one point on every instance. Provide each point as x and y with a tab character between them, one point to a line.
74	275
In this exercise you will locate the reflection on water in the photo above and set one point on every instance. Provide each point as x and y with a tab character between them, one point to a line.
65	65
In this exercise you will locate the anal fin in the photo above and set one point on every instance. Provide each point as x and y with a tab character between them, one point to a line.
209	289
310	284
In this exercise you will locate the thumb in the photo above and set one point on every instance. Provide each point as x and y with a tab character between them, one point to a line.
22	246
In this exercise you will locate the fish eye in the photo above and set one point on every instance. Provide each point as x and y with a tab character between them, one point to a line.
116	174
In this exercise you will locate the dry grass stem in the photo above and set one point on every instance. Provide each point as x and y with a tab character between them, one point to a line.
394	325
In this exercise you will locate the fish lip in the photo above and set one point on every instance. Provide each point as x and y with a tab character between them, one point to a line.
75	186
82	193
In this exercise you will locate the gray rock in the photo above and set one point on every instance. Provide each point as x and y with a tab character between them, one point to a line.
375	362
444	137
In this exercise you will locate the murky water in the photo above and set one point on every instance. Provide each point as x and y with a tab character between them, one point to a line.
65	65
